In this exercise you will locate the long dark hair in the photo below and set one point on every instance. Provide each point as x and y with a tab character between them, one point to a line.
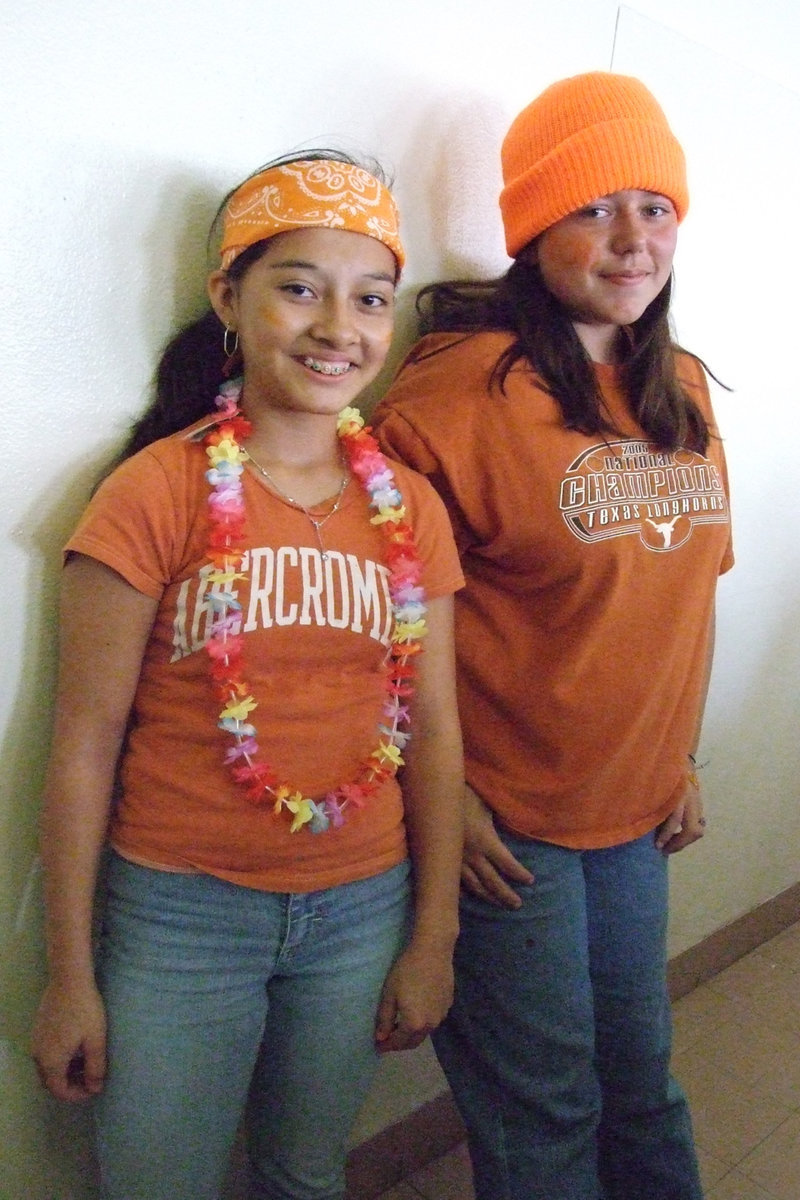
194	361
520	303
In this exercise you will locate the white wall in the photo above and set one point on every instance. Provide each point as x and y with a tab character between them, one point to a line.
734	306
123	123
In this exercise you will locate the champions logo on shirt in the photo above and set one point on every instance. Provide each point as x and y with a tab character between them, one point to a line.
292	585
629	487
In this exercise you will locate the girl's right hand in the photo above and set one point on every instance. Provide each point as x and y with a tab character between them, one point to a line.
69	1042
487	863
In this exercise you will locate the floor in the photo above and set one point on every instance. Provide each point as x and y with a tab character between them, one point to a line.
737	1053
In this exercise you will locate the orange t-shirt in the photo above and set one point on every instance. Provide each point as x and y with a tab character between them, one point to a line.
315	637
591	565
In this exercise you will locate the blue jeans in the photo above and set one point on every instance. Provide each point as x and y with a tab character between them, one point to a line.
220	999
557	1047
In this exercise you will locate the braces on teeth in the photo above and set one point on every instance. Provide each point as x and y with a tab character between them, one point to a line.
326	368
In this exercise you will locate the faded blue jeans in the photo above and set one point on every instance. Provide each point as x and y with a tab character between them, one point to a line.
557	1047
222	998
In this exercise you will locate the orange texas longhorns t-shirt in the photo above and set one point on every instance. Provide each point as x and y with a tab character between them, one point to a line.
591	564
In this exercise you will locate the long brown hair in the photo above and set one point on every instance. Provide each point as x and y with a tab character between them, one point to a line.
519	303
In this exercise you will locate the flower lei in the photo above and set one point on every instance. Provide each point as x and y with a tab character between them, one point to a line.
262	785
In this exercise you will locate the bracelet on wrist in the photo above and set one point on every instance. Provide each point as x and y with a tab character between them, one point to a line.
694	767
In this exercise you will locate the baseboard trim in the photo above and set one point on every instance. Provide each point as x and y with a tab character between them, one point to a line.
436	1128
403	1148
716	952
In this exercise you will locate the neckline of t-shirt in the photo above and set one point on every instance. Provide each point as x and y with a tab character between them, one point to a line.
607	372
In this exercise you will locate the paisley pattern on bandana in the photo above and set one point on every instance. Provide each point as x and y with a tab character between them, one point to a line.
307	194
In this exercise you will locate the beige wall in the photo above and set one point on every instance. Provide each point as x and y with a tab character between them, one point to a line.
122	125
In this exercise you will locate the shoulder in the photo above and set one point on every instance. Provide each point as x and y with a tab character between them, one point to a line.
451	358
417	492
445	406
182	448
693	376
691	373
166	467
444	378
485	346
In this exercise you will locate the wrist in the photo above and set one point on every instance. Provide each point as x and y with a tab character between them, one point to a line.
694	767
70	969
437	936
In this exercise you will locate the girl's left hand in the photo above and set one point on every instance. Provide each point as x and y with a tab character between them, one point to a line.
416	997
686	824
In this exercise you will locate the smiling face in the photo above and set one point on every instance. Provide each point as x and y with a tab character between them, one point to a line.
607	262
314	316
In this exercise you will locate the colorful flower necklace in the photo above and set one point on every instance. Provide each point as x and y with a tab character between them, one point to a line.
262	785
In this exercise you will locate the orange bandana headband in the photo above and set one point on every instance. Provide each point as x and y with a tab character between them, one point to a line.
308	193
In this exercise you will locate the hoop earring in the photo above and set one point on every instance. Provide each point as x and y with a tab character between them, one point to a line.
230	351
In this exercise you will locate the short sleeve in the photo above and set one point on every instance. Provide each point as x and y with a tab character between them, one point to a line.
130	525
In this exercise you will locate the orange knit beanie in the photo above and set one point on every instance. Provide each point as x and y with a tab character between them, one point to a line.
585	137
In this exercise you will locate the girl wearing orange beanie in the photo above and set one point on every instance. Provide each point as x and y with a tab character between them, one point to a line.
574	445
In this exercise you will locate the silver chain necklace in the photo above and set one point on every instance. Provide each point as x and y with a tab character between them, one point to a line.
317	522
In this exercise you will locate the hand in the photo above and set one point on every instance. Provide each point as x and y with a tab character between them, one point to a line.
416	996
686	824
69	1042
487	862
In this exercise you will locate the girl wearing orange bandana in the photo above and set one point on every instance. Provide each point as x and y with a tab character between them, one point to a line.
256	636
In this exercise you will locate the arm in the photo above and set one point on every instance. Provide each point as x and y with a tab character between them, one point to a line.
104	626
687	823
419	988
